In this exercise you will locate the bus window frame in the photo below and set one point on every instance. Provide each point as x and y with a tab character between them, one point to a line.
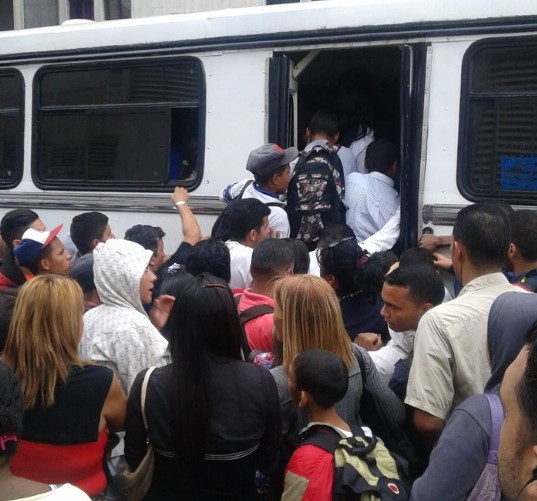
464	172
85	185
15	180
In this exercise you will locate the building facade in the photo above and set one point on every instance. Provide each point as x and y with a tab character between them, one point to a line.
19	14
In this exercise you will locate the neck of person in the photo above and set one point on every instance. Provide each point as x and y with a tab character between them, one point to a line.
262	285
327	416
522	267
470	272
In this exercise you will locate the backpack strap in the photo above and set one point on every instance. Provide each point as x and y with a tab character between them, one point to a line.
324	437
244	188
255	311
245	316
496	414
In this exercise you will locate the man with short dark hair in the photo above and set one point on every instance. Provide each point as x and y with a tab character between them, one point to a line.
450	356
246	222
270	259
522	256
517	453
408	292
270	166
88	229
150	238
372	198
13	225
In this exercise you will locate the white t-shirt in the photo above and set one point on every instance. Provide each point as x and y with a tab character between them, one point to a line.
240	259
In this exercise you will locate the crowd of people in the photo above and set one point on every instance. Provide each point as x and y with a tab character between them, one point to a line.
260	345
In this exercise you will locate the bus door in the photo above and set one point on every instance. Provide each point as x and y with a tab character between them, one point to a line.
391	81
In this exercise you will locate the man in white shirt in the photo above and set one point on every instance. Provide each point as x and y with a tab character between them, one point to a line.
243	224
270	166
371	198
408	292
450	347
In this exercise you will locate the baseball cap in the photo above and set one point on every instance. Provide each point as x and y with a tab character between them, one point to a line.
32	243
82	272
268	158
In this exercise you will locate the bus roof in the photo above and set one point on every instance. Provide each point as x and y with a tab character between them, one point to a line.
271	23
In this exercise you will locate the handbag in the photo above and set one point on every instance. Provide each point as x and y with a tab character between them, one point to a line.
137	482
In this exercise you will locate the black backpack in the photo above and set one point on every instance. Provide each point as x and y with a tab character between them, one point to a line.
362	466
315	193
246	315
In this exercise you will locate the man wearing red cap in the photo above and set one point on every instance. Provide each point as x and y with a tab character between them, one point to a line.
42	252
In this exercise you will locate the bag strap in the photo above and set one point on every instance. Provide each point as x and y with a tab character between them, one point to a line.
361	363
496	414
255	311
246	184
321	436
144	393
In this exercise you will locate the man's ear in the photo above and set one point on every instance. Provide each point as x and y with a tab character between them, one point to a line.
511	253
308	133
456	251
304	398
426	307
393	169
251	236
288	271
16	242
44	264
94	244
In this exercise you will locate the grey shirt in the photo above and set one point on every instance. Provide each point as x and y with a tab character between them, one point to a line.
460	456
294	418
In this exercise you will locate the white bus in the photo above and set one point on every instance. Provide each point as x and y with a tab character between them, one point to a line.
111	116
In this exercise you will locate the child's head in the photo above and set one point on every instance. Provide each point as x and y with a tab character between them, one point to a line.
318	377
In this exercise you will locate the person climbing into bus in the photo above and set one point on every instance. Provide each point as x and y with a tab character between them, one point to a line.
372	198
270	166
317	188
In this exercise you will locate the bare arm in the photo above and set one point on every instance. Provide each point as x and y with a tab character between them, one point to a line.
115	407
191	229
427	425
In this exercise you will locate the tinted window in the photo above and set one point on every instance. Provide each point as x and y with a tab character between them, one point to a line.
130	126
11	99
499	122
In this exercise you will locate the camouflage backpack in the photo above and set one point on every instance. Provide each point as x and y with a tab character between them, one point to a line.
315	193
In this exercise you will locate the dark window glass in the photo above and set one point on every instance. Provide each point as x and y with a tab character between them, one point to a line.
499	147
6	15
10	129
40	13
121	127
81	9
117	9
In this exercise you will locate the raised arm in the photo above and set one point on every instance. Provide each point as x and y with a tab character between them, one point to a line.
191	229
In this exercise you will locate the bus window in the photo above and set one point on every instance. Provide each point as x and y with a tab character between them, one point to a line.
11	123
498	132
120	125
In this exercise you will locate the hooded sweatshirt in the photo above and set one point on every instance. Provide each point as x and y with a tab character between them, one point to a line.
511	315
118	333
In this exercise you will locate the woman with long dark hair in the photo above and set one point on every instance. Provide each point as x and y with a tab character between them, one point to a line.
357	279
212	418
